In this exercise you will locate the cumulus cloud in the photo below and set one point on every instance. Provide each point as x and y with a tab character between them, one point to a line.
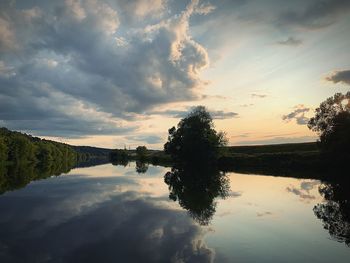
342	76
291	41
298	114
84	53
138	9
317	15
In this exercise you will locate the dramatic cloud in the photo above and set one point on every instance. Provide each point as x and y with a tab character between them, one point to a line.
342	76
319	14
90	60
298	114
291	41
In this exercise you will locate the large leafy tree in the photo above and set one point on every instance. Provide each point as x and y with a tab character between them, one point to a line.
141	152
332	123
195	139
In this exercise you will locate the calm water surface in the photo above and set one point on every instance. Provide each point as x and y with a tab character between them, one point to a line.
112	213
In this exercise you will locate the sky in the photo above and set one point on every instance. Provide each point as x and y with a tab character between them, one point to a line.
115	73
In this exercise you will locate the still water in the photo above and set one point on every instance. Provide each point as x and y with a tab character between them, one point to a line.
112	213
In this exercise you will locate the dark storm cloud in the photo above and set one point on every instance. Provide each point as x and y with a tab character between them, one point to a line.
215	114
291	41
298	114
83	51
318	14
342	76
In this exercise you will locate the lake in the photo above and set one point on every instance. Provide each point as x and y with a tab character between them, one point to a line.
109	213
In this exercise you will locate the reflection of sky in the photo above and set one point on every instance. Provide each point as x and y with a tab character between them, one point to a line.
102	214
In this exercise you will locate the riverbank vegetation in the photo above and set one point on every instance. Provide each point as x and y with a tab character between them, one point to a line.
16	147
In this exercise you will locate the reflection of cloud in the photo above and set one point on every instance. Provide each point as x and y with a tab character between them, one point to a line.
307	186
304	191
235	194
225	213
262	214
299	193
342	76
123	226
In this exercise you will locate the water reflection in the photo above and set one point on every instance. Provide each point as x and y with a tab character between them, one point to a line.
195	188
55	221
141	167
17	176
335	212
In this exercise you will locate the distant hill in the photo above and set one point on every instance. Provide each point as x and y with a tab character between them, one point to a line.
274	148
21	147
95	151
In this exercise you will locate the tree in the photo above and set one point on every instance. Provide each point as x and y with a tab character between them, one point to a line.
195	139
119	155
141	152
3	150
332	123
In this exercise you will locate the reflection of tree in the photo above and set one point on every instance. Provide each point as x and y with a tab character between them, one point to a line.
123	162
18	175
195	188
335	212
141	167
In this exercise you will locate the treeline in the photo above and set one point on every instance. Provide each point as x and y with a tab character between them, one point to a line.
141	154
16	147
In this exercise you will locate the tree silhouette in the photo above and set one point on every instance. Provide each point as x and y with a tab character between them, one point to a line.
141	152
332	123
195	139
